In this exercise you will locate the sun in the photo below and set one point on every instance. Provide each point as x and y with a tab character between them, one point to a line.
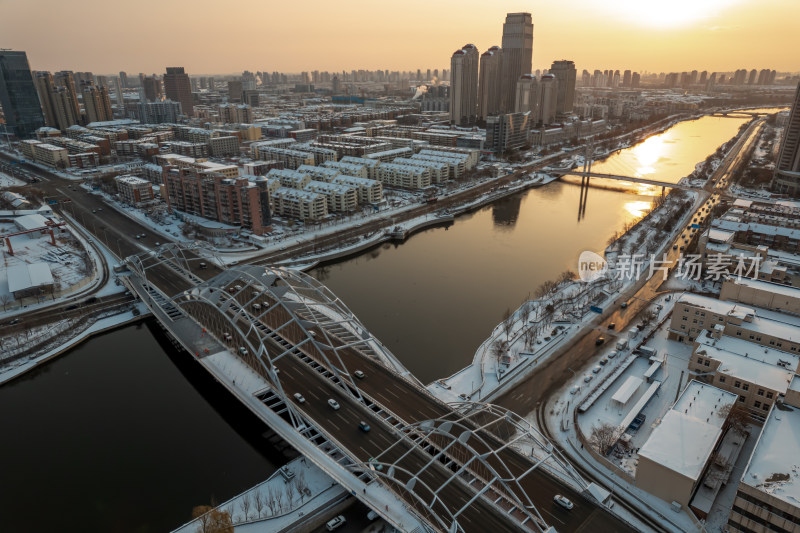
668	13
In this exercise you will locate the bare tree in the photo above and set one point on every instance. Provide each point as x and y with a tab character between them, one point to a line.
271	500
244	505
567	275
258	500
530	337
525	311
210	520
301	484
603	438
508	323
499	347
737	418
5	299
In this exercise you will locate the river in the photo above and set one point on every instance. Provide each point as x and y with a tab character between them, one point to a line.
123	434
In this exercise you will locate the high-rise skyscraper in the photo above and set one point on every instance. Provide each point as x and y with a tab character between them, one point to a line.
565	74
786	179
527	100
635	79
152	88
66	79
123	79
548	97
626	78
490	87
464	85
18	95
178	88
45	87
517	55
96	103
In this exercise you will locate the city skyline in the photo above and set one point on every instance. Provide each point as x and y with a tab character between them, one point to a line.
593	35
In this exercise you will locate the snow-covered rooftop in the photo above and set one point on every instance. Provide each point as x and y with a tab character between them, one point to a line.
29	276
681	443
28	222
704	401
749	362
719	307
626	390
775	288
775	464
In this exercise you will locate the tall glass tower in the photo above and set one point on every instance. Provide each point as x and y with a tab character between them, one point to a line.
18	96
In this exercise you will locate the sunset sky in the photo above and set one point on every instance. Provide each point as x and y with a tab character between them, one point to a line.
210	37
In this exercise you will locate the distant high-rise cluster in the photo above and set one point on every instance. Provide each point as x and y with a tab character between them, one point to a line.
505	82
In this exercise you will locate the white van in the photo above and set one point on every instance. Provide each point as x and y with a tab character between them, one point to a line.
335	523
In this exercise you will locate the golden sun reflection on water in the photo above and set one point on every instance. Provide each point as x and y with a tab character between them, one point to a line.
648	153
637	208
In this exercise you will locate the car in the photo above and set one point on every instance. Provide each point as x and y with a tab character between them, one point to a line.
99	208
575	389
674	246
637	422
603	361
17	320
237	287
143	235
335	523
227	336
612	325
682	248
158	243
359	374
624	305
299	397
612	355
587	378
599	341
334	404
243	350
363	426
69	308
597	369
563	502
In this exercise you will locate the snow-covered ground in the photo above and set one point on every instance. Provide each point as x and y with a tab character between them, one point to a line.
70	264
9	181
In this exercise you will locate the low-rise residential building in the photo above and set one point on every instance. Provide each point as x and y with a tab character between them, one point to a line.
223	146
48	154
404	176
369	191
439	170
291	159
386	156
351	169
341	198
134	191
290	178
371	164
300	204
319	173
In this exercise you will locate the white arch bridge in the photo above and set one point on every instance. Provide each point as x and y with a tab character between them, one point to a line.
271	335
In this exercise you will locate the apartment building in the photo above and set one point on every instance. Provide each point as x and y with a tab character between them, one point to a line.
369	191
224	146
187	148
134	191
371	164
290	178
439	170
290	159
237	201
404	176
300	204
387	156
45	153
341	198
350	169
319	173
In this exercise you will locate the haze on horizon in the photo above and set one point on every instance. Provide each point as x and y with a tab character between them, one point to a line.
209	37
